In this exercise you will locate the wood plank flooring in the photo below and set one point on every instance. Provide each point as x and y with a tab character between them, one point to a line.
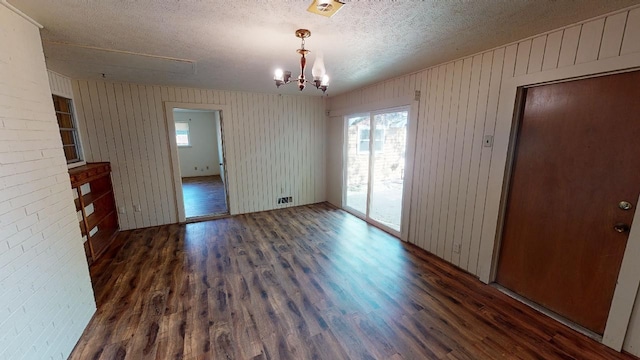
309	282
204	195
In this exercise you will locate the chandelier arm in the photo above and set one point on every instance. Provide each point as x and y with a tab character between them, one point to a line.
284	78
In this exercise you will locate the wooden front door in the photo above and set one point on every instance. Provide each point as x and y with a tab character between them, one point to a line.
577	157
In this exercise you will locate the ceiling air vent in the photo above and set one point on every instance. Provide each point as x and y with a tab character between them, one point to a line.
326	8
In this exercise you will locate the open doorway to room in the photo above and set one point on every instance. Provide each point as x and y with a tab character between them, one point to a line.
198	136
198	160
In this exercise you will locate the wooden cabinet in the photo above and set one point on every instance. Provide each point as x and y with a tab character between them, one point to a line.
95	201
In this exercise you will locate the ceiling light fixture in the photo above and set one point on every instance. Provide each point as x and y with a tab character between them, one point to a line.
320	78
326	8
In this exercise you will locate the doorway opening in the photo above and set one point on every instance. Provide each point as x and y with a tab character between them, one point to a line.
198	136
199	161
375	152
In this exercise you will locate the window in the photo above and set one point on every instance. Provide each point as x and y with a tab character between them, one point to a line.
68	129
182	134
364	136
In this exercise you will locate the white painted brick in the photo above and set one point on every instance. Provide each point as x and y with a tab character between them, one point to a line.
26	222
32	241
12	216
43	272
29	198
18	237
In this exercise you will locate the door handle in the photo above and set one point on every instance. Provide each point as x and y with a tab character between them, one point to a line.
621	228
625	205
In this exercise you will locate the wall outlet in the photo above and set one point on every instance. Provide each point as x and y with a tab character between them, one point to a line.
122	210
207	168
137	208
456	248
196	168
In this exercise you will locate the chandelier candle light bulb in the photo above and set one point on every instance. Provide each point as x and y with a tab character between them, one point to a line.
320	78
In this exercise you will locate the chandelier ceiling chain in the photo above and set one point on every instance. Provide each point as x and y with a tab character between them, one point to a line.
320	79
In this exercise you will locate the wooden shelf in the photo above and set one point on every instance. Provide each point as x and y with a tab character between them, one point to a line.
94	220
90	198
102	239
104	217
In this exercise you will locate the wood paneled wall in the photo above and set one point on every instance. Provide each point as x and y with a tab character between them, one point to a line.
274	144
458	107
60	84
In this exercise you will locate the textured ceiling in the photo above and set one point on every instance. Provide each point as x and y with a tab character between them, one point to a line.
237	44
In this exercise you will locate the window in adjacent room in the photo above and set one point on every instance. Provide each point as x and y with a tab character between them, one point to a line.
68	129
182	134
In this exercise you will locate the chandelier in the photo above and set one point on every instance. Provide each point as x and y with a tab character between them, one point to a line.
320	79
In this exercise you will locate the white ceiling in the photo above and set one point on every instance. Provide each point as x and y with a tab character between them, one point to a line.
237	44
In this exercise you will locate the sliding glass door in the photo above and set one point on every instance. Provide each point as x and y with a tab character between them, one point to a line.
375	161
357	169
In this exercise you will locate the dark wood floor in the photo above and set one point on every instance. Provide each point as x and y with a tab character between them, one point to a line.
309	282
203	196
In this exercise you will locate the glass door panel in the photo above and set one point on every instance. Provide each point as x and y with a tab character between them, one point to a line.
387	177
357	162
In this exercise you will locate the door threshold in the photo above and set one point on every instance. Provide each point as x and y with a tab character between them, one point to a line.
205	218
566	322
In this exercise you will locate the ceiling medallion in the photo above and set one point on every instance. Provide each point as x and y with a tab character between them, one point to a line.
320	78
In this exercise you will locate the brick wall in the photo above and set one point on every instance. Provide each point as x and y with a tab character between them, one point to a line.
46	298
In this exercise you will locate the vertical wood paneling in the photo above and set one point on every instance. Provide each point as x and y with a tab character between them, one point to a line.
463	195
130	124
612	36
522	61
458	106
274	146
589	44
485	157
453	217
537	54
552	50
570	40
444	230
434	140
60	85
87	129
121	167
441	184
418	204
631	42
423	231
473	190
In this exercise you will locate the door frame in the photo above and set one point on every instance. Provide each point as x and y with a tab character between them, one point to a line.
173	150
508	114
412	103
